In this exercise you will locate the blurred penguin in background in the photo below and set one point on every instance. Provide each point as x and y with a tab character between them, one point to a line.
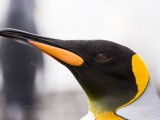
19	63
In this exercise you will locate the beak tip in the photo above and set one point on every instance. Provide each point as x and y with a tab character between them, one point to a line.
5	30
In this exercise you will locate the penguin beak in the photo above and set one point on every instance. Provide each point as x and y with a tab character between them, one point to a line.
53	47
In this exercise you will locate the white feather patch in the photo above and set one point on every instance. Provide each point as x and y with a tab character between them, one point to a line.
89	116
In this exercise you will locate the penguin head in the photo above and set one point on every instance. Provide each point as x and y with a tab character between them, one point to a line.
111	74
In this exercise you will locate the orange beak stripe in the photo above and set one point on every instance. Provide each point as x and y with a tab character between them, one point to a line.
59	53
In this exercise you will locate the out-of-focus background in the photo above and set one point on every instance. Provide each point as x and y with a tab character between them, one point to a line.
135	24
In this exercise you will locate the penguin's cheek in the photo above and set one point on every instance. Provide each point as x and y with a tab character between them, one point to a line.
63	55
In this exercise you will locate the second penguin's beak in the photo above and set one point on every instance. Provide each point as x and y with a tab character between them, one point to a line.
52	47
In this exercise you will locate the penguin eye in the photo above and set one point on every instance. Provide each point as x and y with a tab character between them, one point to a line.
101	58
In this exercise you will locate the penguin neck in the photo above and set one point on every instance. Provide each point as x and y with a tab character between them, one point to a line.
148	102
149	96
101	113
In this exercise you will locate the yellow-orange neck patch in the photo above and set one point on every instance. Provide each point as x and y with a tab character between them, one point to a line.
108	116
59	53
141	76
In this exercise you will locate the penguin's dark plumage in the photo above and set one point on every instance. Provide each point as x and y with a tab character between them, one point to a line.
112	75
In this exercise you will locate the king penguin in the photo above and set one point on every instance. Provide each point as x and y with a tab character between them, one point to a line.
114	78
19	70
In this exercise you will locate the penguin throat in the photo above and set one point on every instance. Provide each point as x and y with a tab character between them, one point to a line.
102	112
